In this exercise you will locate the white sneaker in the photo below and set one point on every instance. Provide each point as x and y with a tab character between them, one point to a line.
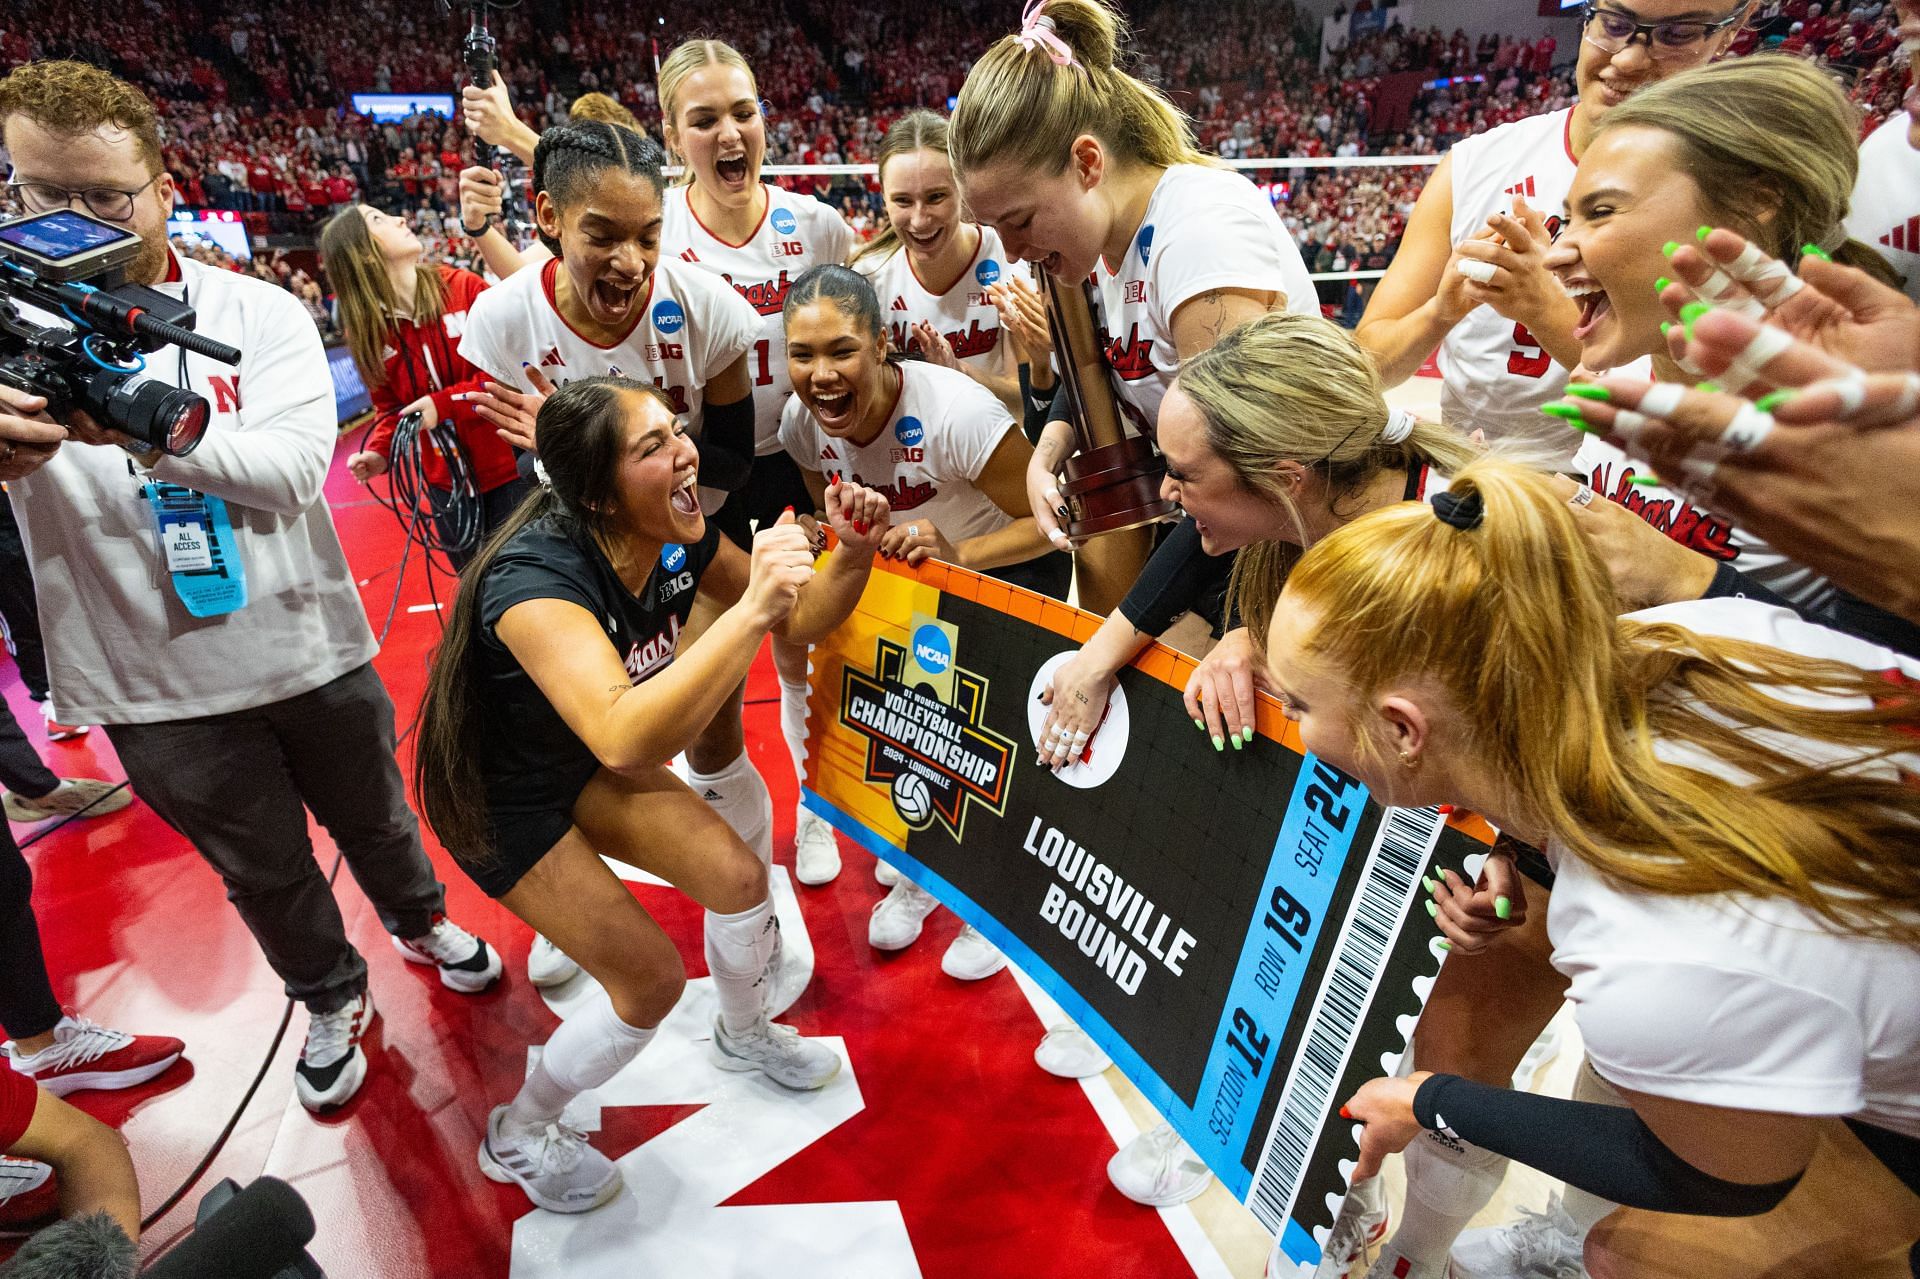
1362	1223
555	1166
1158	1169
885	873
776	1051
1391	1264
1069	1052
899	916
69	799
331	1066
971	957
816	853
1539	1245
548	965
466	963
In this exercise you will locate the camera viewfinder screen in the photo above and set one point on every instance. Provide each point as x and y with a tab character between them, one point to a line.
60	236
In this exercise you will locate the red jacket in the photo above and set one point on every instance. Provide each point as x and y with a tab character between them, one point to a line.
425	360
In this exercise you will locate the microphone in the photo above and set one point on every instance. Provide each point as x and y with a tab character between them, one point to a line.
257	1234
89	1247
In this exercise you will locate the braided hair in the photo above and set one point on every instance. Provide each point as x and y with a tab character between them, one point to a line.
571	155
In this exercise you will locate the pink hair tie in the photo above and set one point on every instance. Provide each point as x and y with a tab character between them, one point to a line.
1037	30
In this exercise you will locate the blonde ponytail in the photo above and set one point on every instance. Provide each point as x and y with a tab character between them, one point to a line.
1020	106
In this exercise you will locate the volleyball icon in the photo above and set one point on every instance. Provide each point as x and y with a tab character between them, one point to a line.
912	800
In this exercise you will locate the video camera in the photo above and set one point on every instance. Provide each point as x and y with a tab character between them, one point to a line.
68	264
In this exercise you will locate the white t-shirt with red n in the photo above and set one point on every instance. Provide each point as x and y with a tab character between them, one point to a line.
687	328
961	311
796	232
1205	228
1886	200
1494	375
939	436
1732	999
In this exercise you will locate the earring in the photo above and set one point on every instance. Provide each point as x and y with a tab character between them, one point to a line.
1409	760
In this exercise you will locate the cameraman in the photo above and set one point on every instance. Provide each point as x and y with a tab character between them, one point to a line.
231	726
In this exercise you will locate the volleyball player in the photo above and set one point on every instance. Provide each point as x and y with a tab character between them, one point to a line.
608	303
1507	343
759	238
557	700
1734	839
953	463
402	319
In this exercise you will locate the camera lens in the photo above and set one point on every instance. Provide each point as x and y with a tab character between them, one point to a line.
189	424
159	416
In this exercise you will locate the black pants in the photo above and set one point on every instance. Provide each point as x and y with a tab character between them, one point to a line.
240	785
496	504
18	607
27	1005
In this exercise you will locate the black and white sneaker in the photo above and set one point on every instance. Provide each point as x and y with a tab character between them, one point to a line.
331	1066
466	963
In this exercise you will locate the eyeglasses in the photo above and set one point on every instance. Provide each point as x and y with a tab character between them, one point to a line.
1612	30
109	204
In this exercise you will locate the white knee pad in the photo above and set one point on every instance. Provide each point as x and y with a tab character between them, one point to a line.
739	794
740	953
592	1046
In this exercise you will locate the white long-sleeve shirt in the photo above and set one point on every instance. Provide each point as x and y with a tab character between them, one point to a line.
121	648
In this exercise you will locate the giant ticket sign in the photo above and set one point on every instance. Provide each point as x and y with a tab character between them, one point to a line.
1242	932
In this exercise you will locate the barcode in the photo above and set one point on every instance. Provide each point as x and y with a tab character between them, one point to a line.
1406	839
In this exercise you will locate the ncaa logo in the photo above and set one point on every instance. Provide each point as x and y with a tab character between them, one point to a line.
673	556
668	317
784	223
932	650
1146	243
987	272
910	432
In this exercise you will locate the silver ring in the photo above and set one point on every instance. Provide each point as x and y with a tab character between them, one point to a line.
9	453
1582	498
913	530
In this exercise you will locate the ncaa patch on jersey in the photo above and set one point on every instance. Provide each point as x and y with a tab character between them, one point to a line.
1146	243
909	431
784	223
669	317
672	556
987	272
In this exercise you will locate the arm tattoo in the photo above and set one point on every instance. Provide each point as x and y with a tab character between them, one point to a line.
1214	317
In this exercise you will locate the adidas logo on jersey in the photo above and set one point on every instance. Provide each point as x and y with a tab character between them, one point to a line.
552	359
1905	237
899	302
1521	188
828	455
689	256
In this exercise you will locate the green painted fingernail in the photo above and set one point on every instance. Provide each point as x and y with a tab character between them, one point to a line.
1666	327
1565	412
1589	391
1645	481
1235	739
1772	400
1691	312
1670	248
1220	743
1502	908
1433	910
1702	234
1706	386
1660	285
1815	251
1445	944
1431	884
1200	724
1249	734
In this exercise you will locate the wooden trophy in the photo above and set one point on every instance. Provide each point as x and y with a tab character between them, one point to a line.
1111	483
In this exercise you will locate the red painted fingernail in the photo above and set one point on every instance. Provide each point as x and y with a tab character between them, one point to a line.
789	510
1345	1113
1445	809
860	526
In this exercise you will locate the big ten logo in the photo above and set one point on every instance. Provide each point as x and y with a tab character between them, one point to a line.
909	431
987	273
669	317
678	394
1133	291
788	248
673	559
907	455
666	351
785	225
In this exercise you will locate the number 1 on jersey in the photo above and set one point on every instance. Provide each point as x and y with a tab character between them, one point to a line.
763	355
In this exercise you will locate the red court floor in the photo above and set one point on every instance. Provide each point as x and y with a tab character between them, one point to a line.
942	1150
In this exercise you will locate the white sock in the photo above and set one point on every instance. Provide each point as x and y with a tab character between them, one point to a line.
793	725
1448	1181
740	951
590	1048
739	794
1586	1208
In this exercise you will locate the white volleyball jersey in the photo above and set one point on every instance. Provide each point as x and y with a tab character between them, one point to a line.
1205	228
962	312
943	428
1736	1000
796	232
1494	375
1886	200
687	328
1610	473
